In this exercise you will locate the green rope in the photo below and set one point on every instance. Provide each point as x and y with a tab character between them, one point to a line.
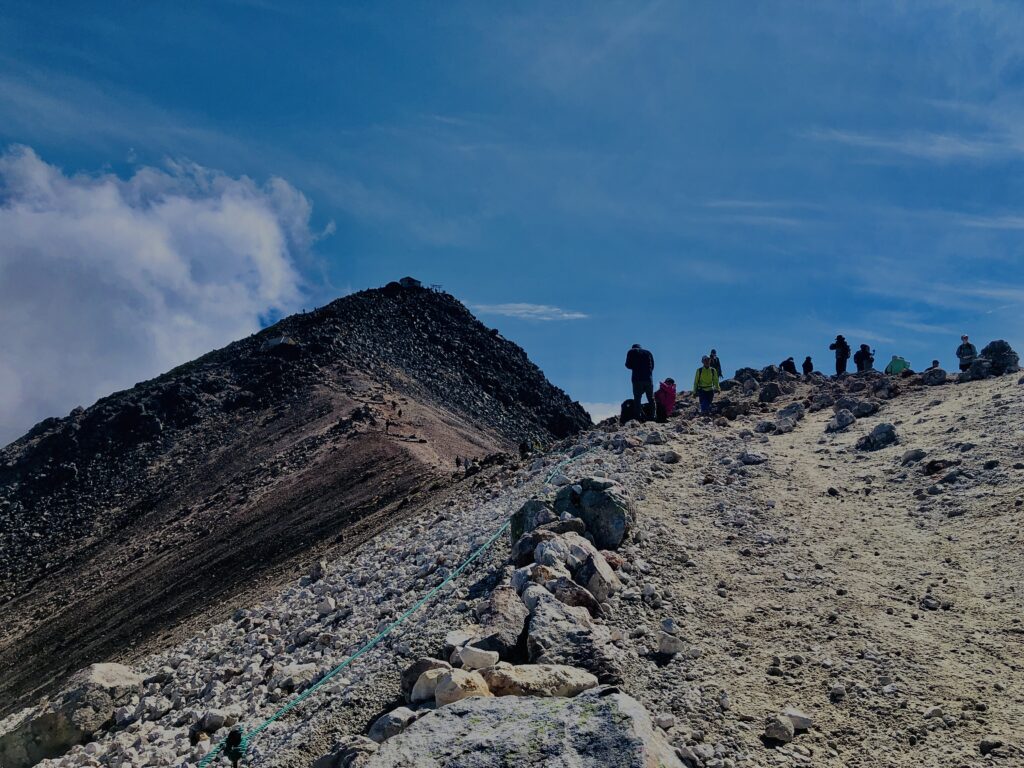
236	753
250	735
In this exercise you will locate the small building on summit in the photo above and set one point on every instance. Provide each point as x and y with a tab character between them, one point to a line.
410	282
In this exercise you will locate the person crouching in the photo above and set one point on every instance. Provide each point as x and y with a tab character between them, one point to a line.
665	400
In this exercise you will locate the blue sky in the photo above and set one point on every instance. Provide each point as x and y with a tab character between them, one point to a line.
748	176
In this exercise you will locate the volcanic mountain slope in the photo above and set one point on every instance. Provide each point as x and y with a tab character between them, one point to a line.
164	500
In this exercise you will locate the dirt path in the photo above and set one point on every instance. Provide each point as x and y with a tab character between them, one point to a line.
817	579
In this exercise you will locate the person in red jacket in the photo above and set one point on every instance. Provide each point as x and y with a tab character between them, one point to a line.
665	398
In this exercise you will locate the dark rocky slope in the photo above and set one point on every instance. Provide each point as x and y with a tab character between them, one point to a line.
122	519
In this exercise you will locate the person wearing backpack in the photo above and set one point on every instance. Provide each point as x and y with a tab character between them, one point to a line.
705	384
842	350
641	363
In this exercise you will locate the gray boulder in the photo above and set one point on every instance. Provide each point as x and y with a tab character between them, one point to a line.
980	369
502	617
1001	357
348	752
600	727
794	411
601	505
563	634
881	436
770	392
934	377
840	421
391	724
85	706
531	515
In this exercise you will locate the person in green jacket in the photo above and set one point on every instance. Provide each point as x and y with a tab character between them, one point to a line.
705	384
896	366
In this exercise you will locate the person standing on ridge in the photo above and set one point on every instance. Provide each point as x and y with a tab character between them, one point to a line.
641	363
966	353
705	384
842	349
788	366
716	363
864	359
808	366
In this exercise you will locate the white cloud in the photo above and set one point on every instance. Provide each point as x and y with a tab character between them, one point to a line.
601	411
925	145
107	281
529	311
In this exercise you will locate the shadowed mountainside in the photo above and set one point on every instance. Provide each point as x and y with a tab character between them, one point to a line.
120	520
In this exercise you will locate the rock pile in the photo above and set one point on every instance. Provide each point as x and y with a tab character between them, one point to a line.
558	705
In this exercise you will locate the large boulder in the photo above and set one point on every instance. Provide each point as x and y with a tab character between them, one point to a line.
840	421
458	684
980	369
934	376
601	727
537	680
412	673
564	634
881	436
85	706
531	515
598	577
770	392
602	506
502	617
794	411
1001	357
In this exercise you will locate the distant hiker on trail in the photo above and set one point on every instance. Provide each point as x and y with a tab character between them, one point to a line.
641	363
933	366
705	384
808	366
842	354
897	366
716	363
966	353
665	398
788	366
864	359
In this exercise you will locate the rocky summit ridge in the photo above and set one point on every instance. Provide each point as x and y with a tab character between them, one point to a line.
824	573
161	502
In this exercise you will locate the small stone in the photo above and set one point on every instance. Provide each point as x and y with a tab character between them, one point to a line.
391	724
932	712
665	720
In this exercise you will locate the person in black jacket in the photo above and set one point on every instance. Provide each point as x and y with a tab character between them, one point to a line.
808	366
864	359
715	362
641	363
788	366
842	350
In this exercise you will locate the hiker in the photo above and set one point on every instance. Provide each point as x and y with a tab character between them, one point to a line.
897	366
788	366
808	366
716	363
966	353
933	366
842	354
705	384
641	363
864	358
665	398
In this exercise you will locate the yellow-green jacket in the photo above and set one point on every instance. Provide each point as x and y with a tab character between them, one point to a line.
706	380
